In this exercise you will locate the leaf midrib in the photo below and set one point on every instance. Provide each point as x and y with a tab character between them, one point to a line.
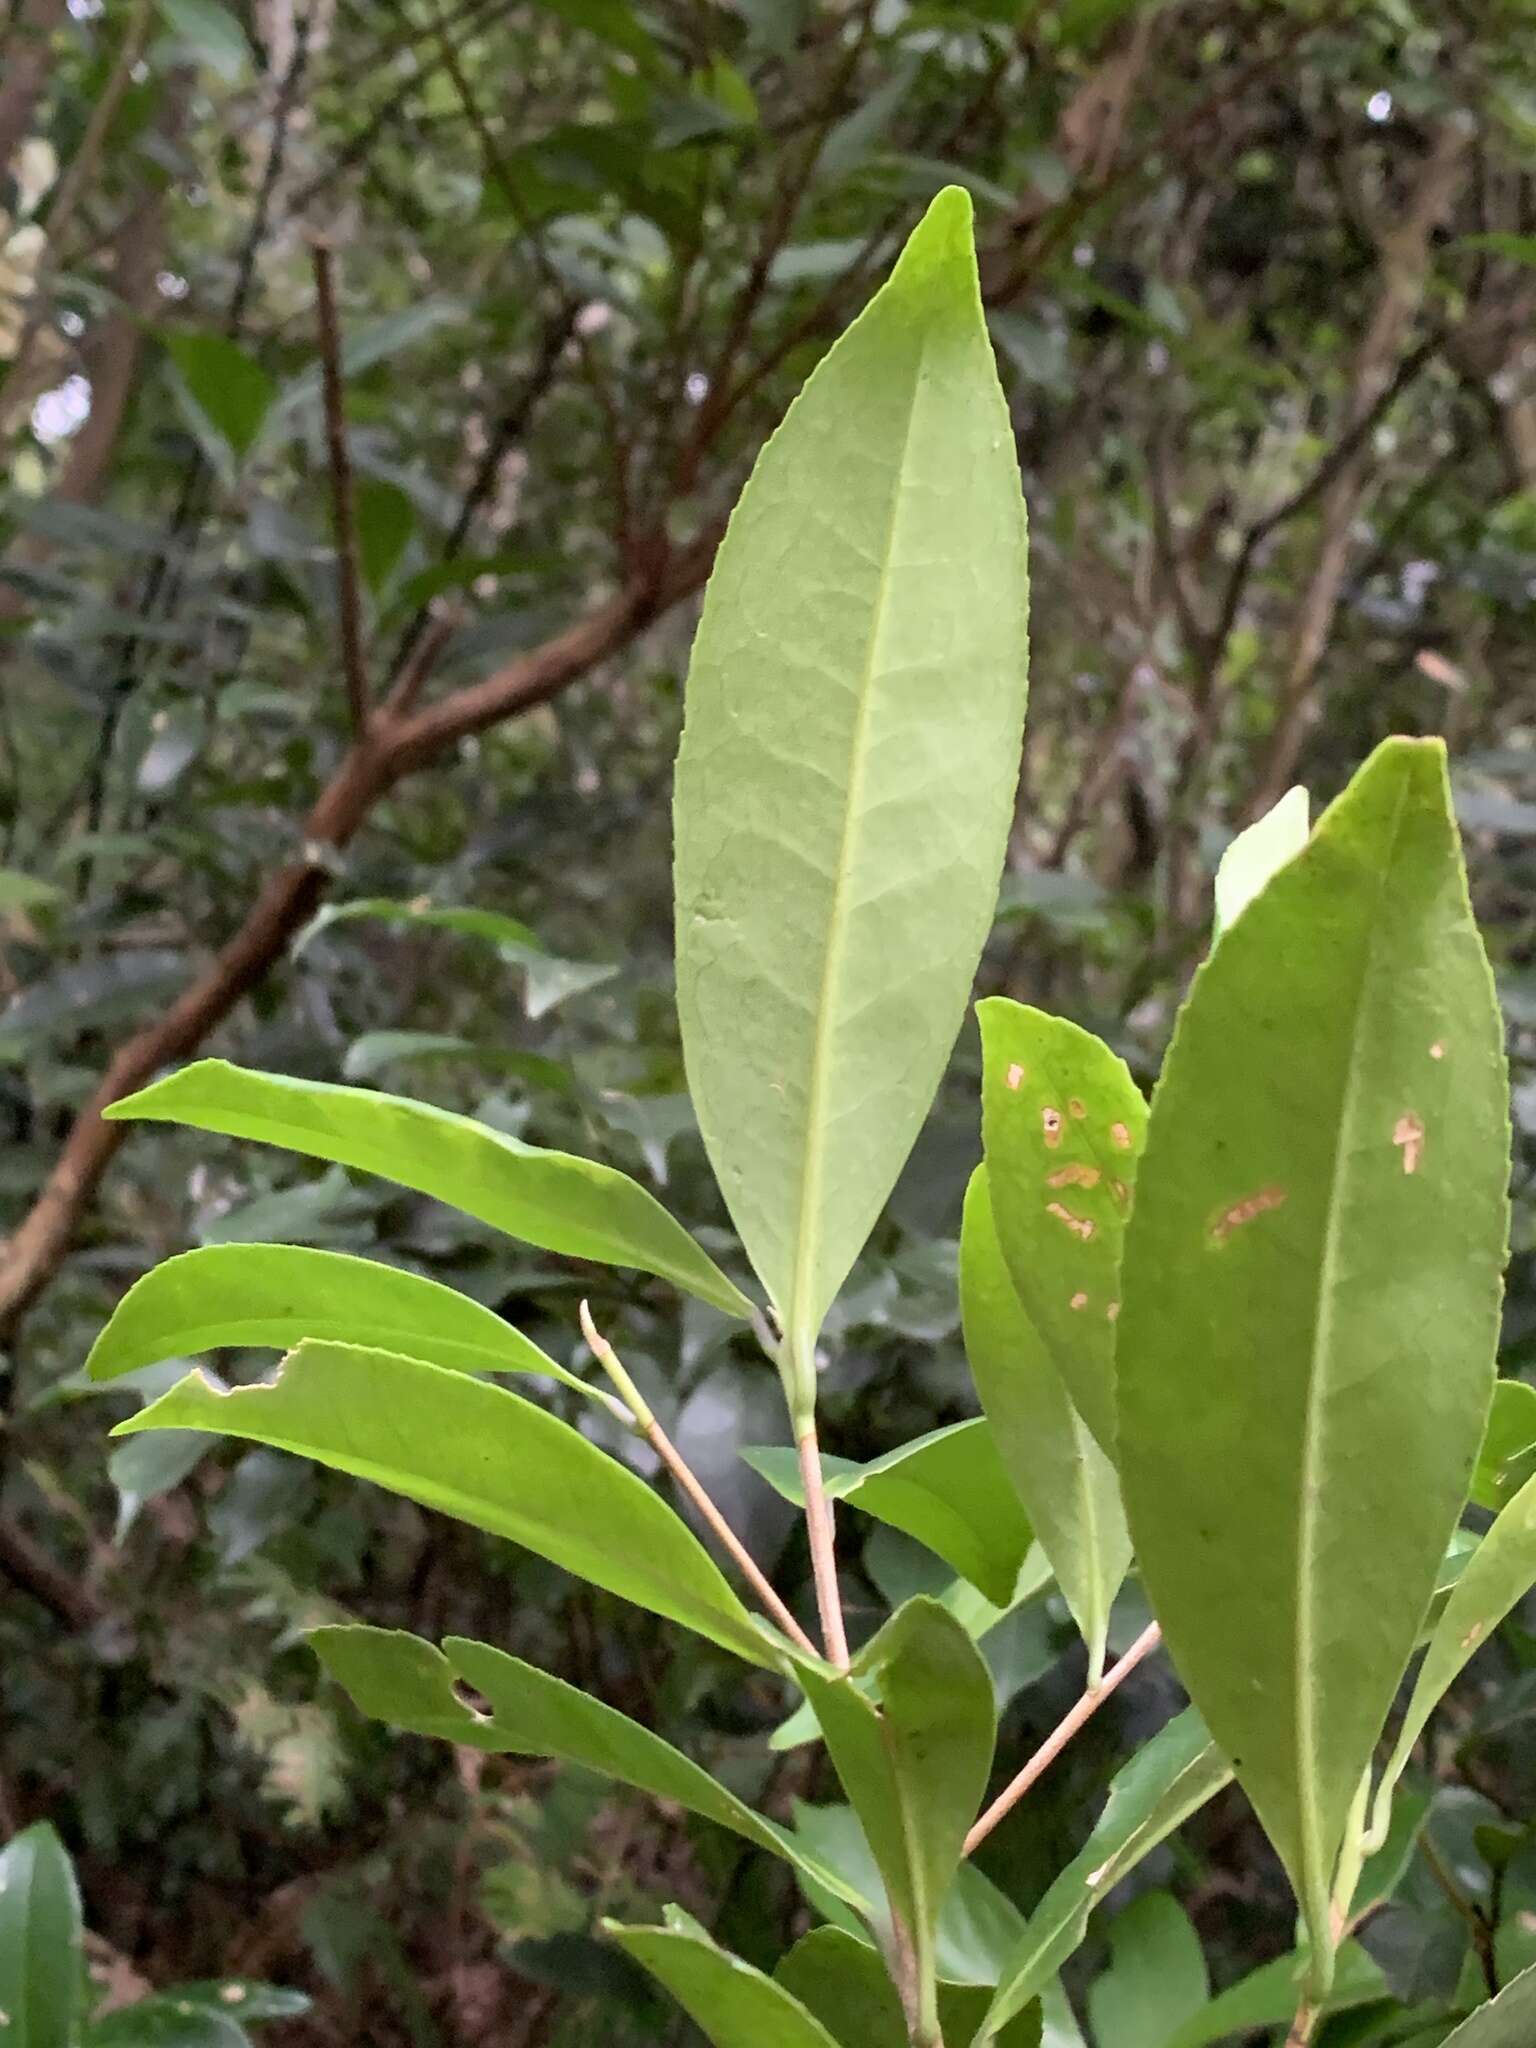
1312	1872
803	1339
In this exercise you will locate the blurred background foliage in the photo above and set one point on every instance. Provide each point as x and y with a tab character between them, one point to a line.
1261	276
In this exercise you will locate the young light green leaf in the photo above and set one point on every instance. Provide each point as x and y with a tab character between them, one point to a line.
272	1296
521	1711
1062	1125
1508	2021
483	1454
846	776
1501	1571
948	1490
1257	853
40	1967
1170	1778
845	1984
1155	1979
1312	1293
1508	1455
735	2005
1067	1484
916	1767
552	1199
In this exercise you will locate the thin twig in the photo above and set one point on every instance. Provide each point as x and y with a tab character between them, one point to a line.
822	1534
349	582
440	623
689	1481
1062	1734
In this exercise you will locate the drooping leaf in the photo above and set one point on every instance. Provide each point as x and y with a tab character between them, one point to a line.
1508	2021
1501	1571
272	1296
845	1984
1062	1126
151	1466
1311	1296
1257	853
1508	1455
846	775
735	2005
1170	1778
521	1711
916	1768
40	1971
553	1199
948	1490
1155	1979
1067	1484
481	1453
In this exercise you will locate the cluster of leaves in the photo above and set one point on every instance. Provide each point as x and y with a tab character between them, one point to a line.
1180	223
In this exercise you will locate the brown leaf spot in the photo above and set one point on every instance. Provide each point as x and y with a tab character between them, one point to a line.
1050	1124
1408	1136
1015	1075
1245	1211
1120	1191
1437	1050
1077	1175
1080	1226
1112	1313
1077	1109
1078	1301
1121	1136
1472	1636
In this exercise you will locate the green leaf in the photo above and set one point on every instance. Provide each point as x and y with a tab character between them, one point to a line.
948	1490
1155	1979
1257	853
521	1711
1508	2021
1067	1484
386	519
1508	1455
916	1767
846	777
40	1972
552	1199
165	2022
480	1453
272	1296
213	32
1312	1297
1269	1996
26	892
149	1467
844	1983
1170	1778
1062	1125
1501	1571
231	389
547	980
735	2005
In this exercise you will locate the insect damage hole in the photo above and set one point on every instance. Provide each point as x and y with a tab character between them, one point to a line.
1408	1136
1080	1226
1076	1175
1050	1124
471	1700
1244	1212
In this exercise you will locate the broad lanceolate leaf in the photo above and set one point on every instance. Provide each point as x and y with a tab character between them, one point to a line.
949	1490
481	1453
1501	1571
40	1973
398	1678
1067	1484
1259	852
735	2005
1311	1296
1508	2021
272	1296
846	776
916	1768
1170	1778
552	1199
1155	1979
848	1988
1062	1125
1269	1996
